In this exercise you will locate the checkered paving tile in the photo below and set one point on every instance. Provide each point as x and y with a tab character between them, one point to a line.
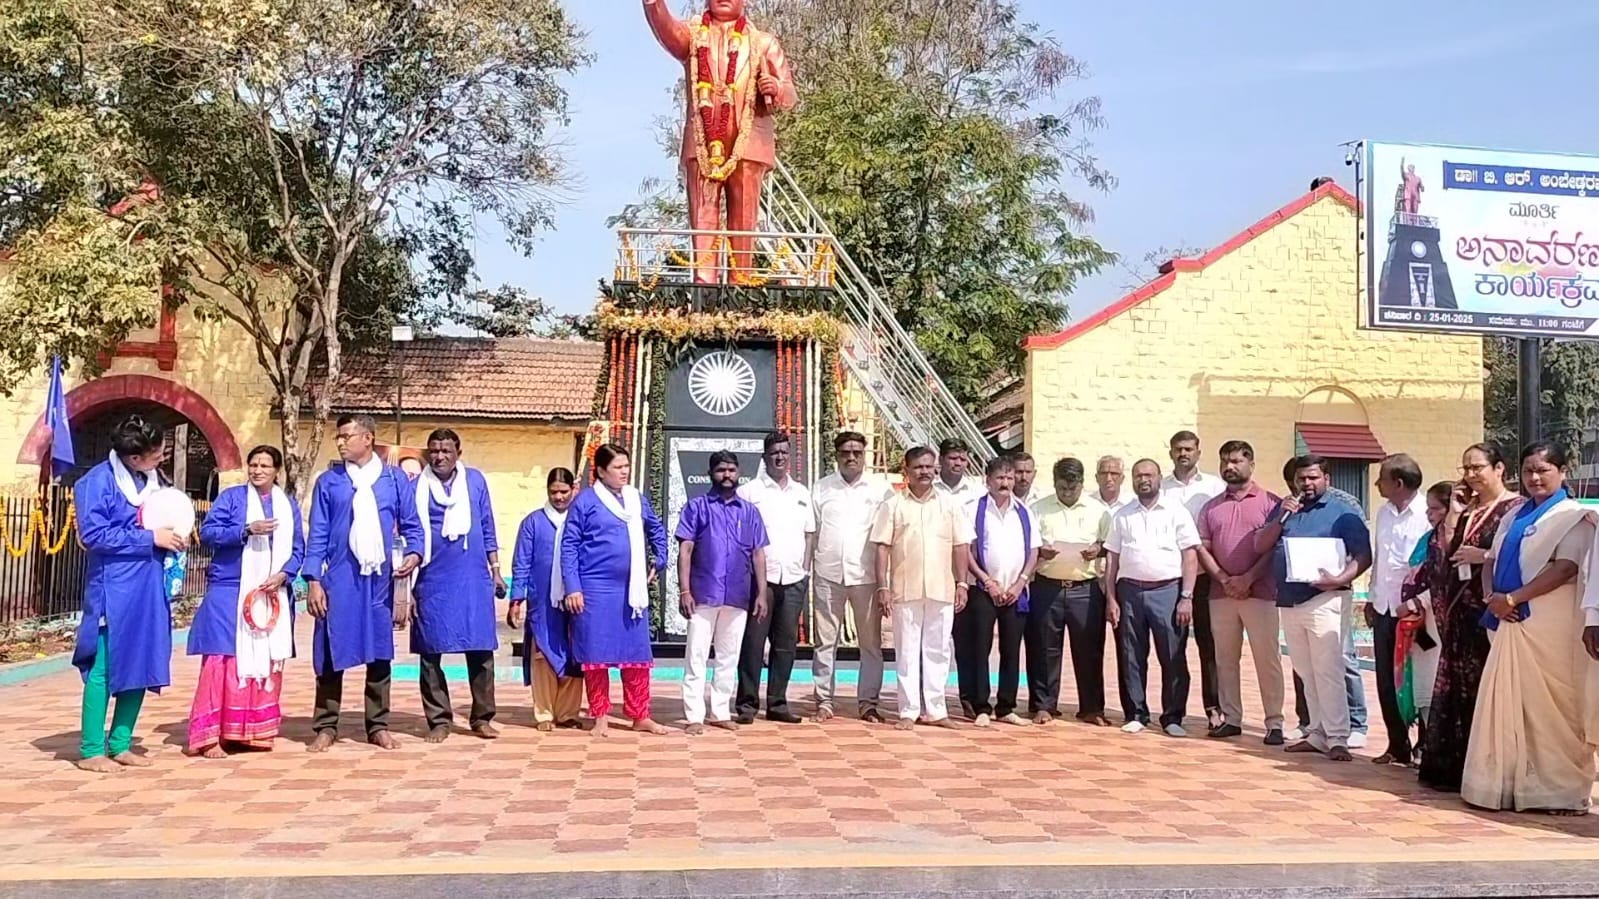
838	793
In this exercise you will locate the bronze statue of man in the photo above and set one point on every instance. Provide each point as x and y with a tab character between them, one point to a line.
737	76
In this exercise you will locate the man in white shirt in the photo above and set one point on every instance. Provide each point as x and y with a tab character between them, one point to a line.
954	472
845	503
1152	563
1026	488
1192	488
785	507
923	539
1110	481
1004	554
1401	523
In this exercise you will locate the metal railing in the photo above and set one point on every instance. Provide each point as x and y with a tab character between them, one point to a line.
918	407
651	256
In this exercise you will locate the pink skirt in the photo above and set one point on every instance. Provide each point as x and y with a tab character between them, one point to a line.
224	712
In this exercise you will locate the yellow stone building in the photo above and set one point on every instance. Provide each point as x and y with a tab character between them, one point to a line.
521	406
1258	340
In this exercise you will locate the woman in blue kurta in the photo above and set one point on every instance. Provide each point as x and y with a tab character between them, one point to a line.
244	629
357	506
125	638
456	586
547	664
612	548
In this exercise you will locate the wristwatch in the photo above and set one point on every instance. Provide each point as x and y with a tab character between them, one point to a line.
963	585
1185	595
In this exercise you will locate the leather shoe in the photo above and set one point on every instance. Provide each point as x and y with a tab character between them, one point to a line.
745	717
1274	737
784	717
1223	731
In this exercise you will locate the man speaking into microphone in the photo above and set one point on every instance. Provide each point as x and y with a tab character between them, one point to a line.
1312	602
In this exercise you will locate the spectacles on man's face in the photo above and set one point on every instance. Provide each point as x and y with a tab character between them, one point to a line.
1474	468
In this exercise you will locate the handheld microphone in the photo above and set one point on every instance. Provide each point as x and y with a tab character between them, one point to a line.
1304	500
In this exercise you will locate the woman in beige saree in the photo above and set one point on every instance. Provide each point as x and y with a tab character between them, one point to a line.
1528	748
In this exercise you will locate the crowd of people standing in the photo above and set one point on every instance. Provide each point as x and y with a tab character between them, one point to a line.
1484	624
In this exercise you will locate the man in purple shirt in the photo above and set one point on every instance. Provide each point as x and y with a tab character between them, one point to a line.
721	547
1242	598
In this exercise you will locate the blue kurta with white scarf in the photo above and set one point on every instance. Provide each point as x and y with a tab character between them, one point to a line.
546	625
359	626
596	561
455	590
215	627
123	587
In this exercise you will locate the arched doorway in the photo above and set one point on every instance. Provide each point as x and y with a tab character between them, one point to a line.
191	464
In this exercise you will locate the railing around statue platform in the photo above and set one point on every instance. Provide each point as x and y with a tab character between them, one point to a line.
685	256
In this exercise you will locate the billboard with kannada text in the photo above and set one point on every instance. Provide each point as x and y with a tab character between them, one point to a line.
1481	241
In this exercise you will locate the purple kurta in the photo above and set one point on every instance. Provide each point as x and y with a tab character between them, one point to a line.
595	561
359	626
455	591
545	626
215	627
123	587
726	534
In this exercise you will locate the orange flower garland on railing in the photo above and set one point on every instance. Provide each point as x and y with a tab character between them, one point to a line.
37	529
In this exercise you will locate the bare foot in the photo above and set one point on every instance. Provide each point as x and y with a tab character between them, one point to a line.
872	716
385	740
601	728
323	741
214	752
1302	746
725	725
437	735
131	759
649	726
1339	754
545	726
1042	718
944	722
823	712
905	724
694	730
99	765
486	730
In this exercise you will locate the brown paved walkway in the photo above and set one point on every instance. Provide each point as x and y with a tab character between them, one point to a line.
837	794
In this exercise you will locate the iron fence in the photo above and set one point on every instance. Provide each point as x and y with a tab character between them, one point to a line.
42	570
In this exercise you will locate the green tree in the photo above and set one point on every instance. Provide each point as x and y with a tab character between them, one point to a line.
1568	401
318	163
933	136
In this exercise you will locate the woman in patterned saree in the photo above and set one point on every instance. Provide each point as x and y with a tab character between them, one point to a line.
1459	546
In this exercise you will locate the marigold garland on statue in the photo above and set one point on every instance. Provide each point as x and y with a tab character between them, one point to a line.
714	102
679	326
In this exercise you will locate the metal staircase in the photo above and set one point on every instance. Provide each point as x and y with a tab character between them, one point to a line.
911	398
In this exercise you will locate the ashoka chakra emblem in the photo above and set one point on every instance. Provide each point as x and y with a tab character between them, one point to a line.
721	383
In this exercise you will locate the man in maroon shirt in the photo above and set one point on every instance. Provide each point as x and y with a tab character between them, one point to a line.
1241	599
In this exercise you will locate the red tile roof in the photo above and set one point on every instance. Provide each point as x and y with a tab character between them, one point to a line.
1340	441
1168	272
470	377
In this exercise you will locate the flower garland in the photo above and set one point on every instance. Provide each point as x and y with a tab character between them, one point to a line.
714	102
679	326
37	529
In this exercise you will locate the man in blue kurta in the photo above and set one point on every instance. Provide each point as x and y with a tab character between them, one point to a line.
456	586
547	663
125	638
357	506
721	567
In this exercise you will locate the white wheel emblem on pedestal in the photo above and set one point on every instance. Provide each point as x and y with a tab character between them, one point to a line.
721	383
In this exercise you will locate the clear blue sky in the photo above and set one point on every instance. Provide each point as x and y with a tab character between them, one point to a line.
1217	113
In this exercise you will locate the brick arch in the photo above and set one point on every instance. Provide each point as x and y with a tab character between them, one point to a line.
103	393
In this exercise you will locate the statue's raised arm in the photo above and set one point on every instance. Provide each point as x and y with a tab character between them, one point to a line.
671	31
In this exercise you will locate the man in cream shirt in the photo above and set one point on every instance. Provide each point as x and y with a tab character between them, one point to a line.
846	502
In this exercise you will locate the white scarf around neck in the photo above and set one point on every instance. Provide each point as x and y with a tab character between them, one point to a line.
258	655
366	527
457	502
557	582
124	479
630	508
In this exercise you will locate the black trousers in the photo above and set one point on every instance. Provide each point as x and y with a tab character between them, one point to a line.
781	628
1384	637
330	697
1209	682
1045	639
1149	617
436	690
974	640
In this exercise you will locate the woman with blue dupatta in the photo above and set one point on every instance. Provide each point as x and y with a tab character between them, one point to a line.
1528	750
537	594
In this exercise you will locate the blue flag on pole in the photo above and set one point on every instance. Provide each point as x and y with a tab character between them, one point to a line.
62	458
